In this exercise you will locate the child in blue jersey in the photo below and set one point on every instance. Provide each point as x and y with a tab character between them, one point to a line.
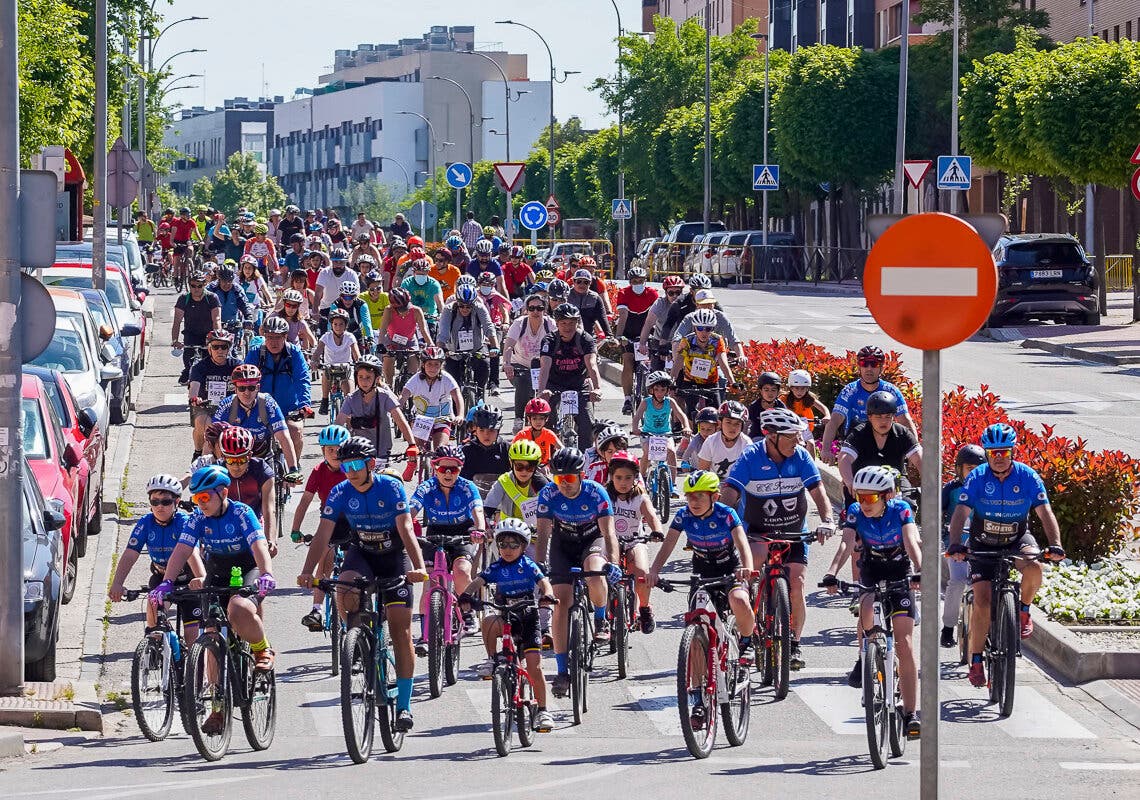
158	533
656	416
515	578
956	574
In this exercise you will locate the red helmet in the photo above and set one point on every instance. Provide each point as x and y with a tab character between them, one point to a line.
399	297
236	442
537	406
673	282
246	374
415	241
622	458
219	336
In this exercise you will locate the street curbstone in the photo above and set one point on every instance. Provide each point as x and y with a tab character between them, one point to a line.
1062	650
11	744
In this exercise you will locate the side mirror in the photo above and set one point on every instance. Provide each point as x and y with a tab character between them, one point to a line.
108	354
53	520
141	297
87	421
106	332
71	456
130	329
109	372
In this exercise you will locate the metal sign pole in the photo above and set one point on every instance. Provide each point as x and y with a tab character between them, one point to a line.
99	212
458	208
931	567
508	221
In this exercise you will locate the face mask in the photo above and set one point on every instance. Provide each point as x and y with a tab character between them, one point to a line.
638	288
421	279
485	290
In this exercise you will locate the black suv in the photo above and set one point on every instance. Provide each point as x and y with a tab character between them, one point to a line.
1044	276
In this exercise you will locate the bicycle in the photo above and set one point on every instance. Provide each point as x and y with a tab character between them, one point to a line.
640	367
622	609
567	409
695	398
660	479
582	648
443	623
157	672
334	625
709	663
772	605
336	375
220	675
367	672
884	715
473	394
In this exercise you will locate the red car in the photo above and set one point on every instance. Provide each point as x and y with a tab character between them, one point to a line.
60	470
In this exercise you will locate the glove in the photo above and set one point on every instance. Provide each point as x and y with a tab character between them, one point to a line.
295	537
265	584
955	549
824	531
828	581
292	476
477	535
613	573
1055	551
158	593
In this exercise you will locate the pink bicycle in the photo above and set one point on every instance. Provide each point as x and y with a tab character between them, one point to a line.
443	621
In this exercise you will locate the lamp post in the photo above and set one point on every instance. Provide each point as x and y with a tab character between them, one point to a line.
407	177
154	41
470	113
506	95
165	89
621	140
180	53
708	115
900	122
764	195
431	163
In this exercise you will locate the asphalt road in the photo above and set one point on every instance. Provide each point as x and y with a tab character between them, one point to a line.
813	741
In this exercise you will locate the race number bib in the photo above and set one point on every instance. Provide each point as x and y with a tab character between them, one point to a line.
421	428
529	510
701	368
399	340
568	403
220	258
466	340
658	448
517	304
668	365
534	374
639	356
215	391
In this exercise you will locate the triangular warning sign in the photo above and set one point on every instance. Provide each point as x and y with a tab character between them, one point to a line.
916	171
509	174
552	202
764	179
1136	155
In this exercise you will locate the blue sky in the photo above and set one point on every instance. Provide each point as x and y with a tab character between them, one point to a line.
295	41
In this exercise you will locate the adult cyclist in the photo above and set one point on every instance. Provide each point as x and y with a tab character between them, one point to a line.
568	358
285	376
851	402
259	413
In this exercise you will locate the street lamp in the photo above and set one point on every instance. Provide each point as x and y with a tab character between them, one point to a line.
470	112
621	139
764	195
164	89
179	53
431	162
165	92
506	93
154	41
708	115
407	177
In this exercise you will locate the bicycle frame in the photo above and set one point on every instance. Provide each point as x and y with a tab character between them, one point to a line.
440	580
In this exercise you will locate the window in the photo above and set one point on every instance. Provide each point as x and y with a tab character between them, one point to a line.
35	434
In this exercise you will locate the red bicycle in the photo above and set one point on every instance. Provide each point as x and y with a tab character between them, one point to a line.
772	605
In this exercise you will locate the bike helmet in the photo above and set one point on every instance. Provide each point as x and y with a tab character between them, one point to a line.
399	297
433	353
586	261
622	458
484	247
349	288
871	353
732	409
700	281
415	241
364	258
601	424
558	289
219	336
637	274
536	406
657	378
356	447
333	436
338	254
673	282
164	483
874	479
998	435
488	230
275	325
184	210
487	417
485	279
198	277
420	264
466	294
453	243
530	251
770	379
292	209
369	361
372	278
970	454
516	251
799	377
567	311
466	280
236	441
709	414
505	247
515	527
226	273
544	275
448	452
524	450
214	430
209	479
582	275
780	420
398	243
704	318
613	435
339	313
701	481
567	461
882	402
246	374
292	296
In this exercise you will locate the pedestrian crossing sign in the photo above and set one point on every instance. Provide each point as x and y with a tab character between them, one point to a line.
954	172
765	177
620	209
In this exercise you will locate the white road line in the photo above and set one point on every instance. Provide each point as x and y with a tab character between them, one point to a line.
563	716
1104	766
659	702
1034	716
133	789
173	399
837	706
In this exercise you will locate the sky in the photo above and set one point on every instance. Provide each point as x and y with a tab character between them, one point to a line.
292	42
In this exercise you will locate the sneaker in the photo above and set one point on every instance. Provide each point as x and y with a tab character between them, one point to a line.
947	639
560	686
263	660
697	716
648	624
977	674
484	669
324	406
796	662
627	407
913	725
544	722
855	676
1026	625
421	648
469	624
493	391
602	632
314	621
547	640
404	722
184	379
214	724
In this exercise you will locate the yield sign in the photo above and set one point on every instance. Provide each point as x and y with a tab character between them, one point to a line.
1136	155
509	174
916	171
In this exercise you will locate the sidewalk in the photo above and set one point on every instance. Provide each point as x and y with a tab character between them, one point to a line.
1116	342
851	288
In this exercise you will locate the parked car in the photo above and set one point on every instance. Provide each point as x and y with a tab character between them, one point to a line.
43	553
724	263
705	260
561	251
86	374
100	306
784	259
1044	276
131	249
687	257
120	255
641	253
684	232
128	307
70	304
57	468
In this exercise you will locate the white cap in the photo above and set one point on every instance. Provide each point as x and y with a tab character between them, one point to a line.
705	296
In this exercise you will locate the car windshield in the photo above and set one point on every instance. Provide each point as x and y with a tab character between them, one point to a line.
35	435
1039	253
65	352
114	286
82	252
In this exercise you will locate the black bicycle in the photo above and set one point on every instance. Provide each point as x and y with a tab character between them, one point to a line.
582	647
157	672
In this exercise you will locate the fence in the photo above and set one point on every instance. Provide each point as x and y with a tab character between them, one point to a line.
1118	273
725	263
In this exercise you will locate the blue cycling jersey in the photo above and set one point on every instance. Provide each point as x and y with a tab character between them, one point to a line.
232	533
710	533
773	495
1001	507
881	533
657	421
159	540
285	377
513	579
591	504
457	506
251	420
372	514
852	401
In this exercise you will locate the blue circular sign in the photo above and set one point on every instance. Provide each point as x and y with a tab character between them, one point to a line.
459	175
533	215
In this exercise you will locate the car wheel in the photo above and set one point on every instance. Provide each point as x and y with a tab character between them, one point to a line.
44	668
120	409
1091	318
79	533
70	573
95	524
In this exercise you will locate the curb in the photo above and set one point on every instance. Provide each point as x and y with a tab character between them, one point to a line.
1118	703
830	289
82	711
1072	351
11	744
1062	650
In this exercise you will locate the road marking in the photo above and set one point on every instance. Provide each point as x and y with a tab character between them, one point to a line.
135	788
1105	766
1034	716
837	706
173	399
659	702
583	775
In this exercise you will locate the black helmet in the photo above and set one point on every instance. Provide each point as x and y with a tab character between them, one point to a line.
487	417
567	311
356	447
970	454
226	273
770	379
871	353
882	402
567	461
708	414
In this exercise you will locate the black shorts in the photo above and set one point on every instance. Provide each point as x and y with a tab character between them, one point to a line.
796	552
371	564
187	609
452	549
986	569
717	567
873	570
568	553
218	569
525	628
181	247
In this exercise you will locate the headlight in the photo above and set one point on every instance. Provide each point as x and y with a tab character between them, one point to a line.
33	591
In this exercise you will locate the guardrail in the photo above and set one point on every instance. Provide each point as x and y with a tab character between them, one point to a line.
1118	273
727	263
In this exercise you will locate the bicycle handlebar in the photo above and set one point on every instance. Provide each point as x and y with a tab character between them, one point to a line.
881	587
695	581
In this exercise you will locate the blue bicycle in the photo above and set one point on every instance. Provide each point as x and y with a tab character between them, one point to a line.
333	625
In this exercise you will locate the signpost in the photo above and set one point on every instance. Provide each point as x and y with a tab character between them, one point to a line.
458	178
930	283
620	209
916	171
533	216
509	175
954	172
122	180
553	214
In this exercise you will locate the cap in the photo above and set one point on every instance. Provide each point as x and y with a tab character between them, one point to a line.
705	296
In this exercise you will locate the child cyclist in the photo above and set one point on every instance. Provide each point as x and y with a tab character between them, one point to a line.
322	479
957	573
516	577
537	414
802	400
656	415
336	347
631	508
719	549
434	395
708	424
608	441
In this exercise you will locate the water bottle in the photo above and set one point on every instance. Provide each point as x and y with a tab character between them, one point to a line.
175	647
235	577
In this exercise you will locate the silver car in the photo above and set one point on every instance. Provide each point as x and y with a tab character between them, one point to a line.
70	353
128	311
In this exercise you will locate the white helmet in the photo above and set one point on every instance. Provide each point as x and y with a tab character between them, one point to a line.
515	527
705	317
164	483
466	280
349	287
780	420
799	377
293	296
874	479
485	246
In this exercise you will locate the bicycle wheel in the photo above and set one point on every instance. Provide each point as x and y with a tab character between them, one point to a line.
390	735
620	637
875	704
781	649
259	714
577	663
336	632
207	696
763	636
451	651
664	498
737	712
1003	676
897	726
524	714
502	709
152	681
964	627
435	643
358	693
694	650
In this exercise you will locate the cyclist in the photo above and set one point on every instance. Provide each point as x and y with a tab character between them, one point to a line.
444	273
771	481
609	440
183	231
196	313
699	360
769	397
359	318
557	293
261	248
878	440
801	399
575	529
209	384
486	456
652	331
724	448
592	305
501	310
633	510
686	304
365	256
957	573
426	293
569	357
522	345
330	278
251	479
714	533
259	413
381	545
889	551
850	404
377	301
256	289
537	413
704	298
403	328
237	312
466	330
515	492
708	425
335	347
158	532
293	311
517	273
997	498
397	254
434	394
633	304
363	411
485	261
285	376
656	415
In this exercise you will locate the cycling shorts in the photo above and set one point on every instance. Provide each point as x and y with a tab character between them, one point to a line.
218	569
568	553
370	564
986	570
187	609
525	628
452	550
872	570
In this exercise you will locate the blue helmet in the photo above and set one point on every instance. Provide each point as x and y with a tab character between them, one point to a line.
453	243
208	479
998	435
466	294
333	436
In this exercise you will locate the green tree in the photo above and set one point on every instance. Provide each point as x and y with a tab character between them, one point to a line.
241	183
375	198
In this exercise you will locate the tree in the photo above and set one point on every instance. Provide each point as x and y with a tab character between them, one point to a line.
241	183
372	196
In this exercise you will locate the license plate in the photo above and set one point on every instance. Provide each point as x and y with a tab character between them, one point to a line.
1038	274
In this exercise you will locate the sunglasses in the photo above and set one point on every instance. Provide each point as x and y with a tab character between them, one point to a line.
355	465
524	466
584	281
237	461
164	502
244	389
569	480
702	328
441	469
868	497
510	544
292	305
197	285
219	347
1000	452
870	362
534	308
675	293
202	498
